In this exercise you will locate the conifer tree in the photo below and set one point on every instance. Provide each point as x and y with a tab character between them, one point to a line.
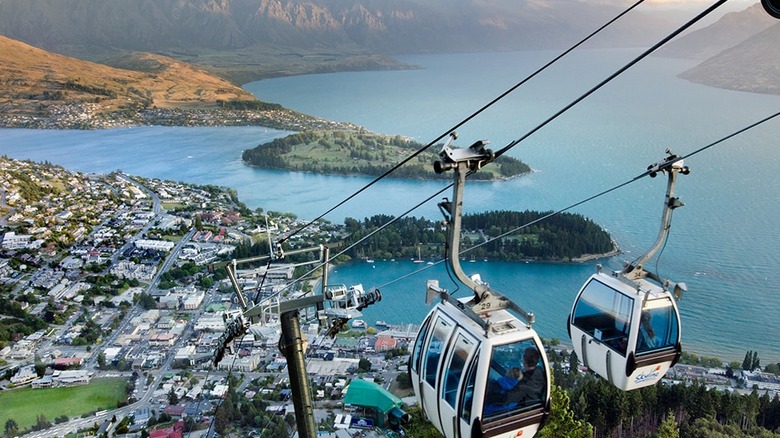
561	423
11	427
668	427
748	361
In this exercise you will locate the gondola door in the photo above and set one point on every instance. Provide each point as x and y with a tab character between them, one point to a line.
433	353
453	386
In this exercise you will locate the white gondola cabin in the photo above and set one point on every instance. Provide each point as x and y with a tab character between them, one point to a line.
473	384
624	327
477	369
627	333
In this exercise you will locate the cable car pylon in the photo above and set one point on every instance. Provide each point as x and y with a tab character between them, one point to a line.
291	342
476	368
623	326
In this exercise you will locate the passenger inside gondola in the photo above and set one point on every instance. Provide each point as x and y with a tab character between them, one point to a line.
531	385
659	328
647	338
511	388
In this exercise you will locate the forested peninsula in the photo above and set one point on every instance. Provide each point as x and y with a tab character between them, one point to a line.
496	235
363	153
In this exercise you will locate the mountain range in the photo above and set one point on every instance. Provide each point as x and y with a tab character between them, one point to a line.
375	26
245	40
251	39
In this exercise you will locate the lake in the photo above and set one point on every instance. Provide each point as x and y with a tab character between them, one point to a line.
724	243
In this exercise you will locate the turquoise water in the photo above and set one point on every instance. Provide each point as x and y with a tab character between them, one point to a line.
724	242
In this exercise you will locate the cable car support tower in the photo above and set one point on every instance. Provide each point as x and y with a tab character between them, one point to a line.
291	343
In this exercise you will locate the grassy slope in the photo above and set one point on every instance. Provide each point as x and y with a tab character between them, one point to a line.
24	405
147	79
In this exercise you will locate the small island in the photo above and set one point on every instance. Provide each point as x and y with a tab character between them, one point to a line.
346	152
495	235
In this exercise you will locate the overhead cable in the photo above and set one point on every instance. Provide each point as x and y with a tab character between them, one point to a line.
597	195
464	121
617	73
515	142
623	184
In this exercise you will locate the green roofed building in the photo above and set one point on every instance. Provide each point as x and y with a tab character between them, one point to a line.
217	308
376	403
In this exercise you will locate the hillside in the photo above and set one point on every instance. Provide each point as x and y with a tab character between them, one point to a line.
731	29
738	52
753	65
363	153
40	89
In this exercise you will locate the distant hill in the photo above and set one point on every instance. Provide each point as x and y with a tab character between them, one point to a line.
39	89
731	29
147	80
246	39
753	65
739	52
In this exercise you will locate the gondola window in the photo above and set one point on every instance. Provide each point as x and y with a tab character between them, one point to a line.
468	398
514	385
416	357
605	314
658	327
463	347
441	331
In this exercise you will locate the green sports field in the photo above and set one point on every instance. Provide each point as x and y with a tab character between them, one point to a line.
24	405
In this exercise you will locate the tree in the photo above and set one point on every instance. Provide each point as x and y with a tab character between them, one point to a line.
189	424
561	422
755	362
172	397
101	360
206	282
418	426
668	427
751	361
221	420
41	423
574	363
404	380
40	367
147	301
364	365
11	427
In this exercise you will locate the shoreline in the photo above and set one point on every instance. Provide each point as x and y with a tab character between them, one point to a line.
590	257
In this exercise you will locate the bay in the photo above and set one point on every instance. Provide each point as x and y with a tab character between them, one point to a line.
723	244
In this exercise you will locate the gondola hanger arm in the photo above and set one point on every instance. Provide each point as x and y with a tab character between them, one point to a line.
672	165
463	160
